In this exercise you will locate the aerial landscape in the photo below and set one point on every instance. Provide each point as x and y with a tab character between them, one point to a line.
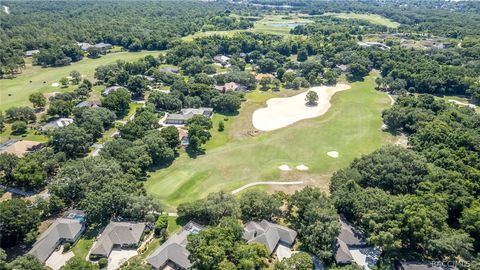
239	134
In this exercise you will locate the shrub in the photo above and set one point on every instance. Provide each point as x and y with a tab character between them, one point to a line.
19	127
66	247
102	263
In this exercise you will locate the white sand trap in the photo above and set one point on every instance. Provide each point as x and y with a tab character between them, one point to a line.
333	154
55	84
281	112
284	168
302	167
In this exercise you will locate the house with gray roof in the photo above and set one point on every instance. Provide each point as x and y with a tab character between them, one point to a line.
57	123
185	114
173	70
30	53
173	254
67	229
269	234
117	235
222	59
351	246
108	90
89	104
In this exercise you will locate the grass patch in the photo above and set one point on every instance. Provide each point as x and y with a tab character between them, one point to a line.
372	18
15	92
352	127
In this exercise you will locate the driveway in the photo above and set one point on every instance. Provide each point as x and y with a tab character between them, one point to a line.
118	257
283	252
58	259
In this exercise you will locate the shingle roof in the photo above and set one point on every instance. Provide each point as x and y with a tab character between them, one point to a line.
61	229
88	103
269	234
349	235
118	233
342	253
110	89
174	249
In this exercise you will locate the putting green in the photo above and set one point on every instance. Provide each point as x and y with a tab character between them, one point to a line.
15	92
352	127
372	18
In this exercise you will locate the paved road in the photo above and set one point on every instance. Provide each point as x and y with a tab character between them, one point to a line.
266	183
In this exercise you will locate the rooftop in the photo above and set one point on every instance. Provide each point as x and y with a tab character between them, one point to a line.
269	234
118	233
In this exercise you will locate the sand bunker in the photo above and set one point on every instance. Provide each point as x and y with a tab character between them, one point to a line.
333	154
284	168
281	112
302	167
55	84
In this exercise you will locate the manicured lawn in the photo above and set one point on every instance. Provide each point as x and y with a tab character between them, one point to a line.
352	127
31	135
15	92
372	18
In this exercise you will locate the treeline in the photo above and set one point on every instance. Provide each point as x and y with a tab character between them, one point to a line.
420	203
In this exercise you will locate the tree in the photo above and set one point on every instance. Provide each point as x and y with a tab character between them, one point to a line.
158	147
164	101
19	127
221	126
161	226
118	101
94	52
170	134
137	85
62	108
200	120
94	120
258	205
211	209
26	114
102	263
264	83
8	162
311	98
26	262
2	122
18	218
145	120
64	82
76	76
71	140
38	100
302	55
29	174
197	136
227	103
298	261
77	263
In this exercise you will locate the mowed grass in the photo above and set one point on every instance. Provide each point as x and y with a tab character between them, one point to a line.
15	92
372	18
352	127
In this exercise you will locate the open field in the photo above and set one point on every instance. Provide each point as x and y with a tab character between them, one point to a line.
372	18
352	127
20	87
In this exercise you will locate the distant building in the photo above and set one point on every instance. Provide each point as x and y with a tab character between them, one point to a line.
260	76
148	78
343	68
229	87
84	45
169	70
222	59
373	44
185	114
104	46
66	229
173	254
19	147
110	89
117	235
55	124
352	247
270	234
89	104
31	53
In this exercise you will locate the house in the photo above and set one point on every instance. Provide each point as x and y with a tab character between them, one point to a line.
425	266
19	147
222	59
150	79
117	235
352	247
103	46
110	89
373	44
173	254
228	87
270	234
260	76
343	68
84	45
58	123
169	70
89	104
185	114
31	53
66	229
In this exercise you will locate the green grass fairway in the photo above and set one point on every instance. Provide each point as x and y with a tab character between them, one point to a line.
372	18
352	127
20	87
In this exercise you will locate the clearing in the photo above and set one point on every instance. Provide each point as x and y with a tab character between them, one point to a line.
372	18
352	127
281	112
15	92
